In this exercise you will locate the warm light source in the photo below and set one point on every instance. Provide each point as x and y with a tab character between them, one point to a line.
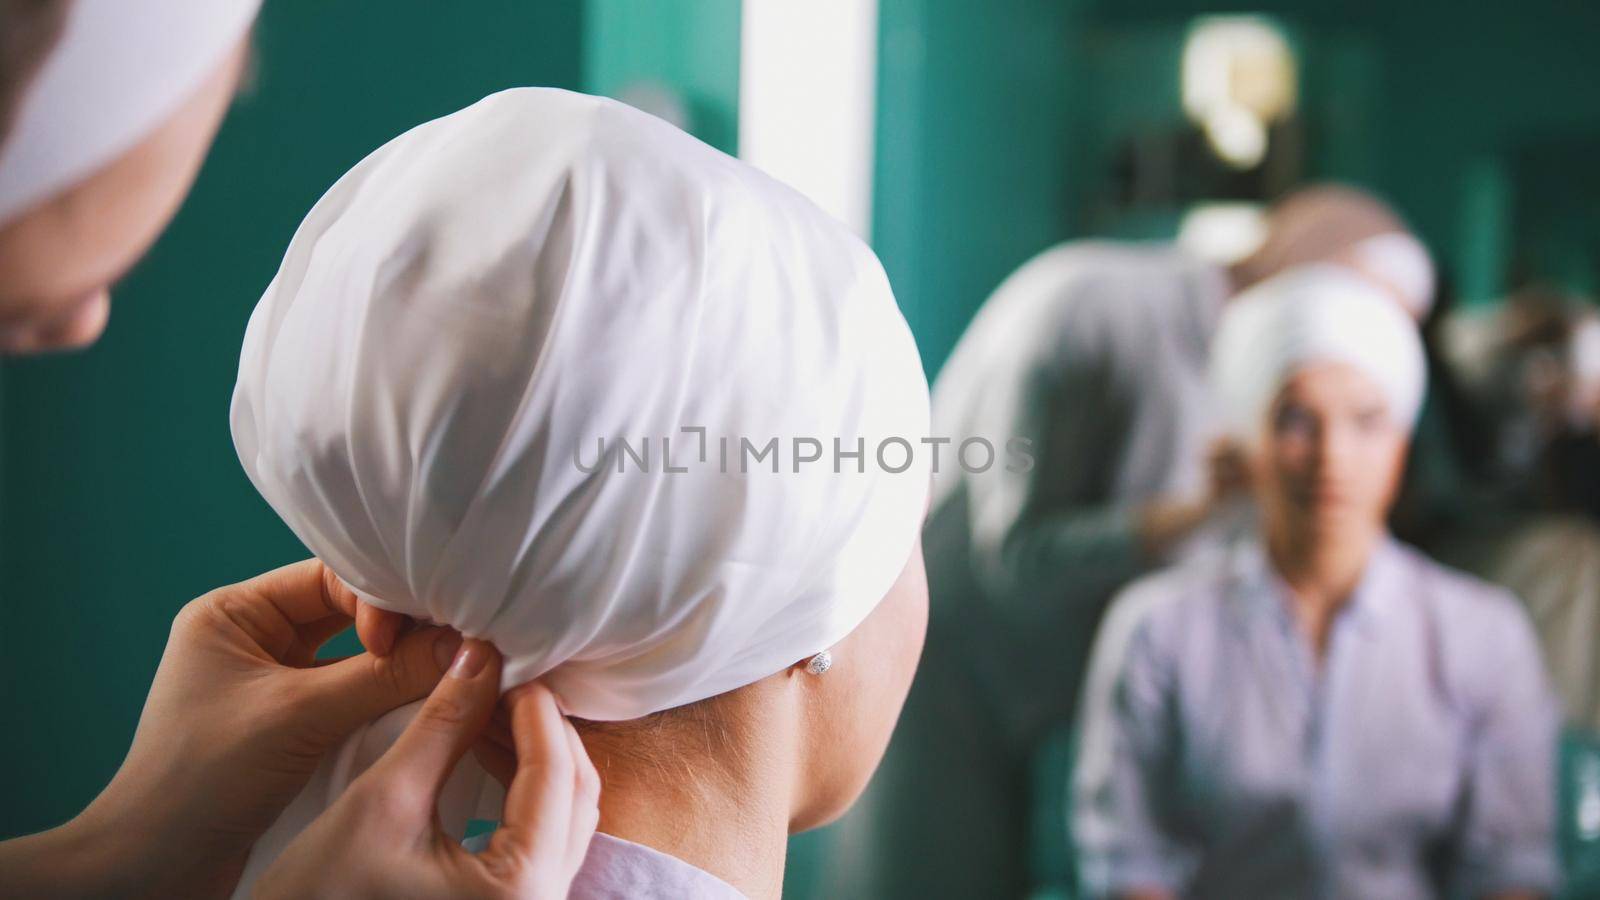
1238	79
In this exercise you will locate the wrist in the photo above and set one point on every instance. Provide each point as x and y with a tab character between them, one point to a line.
146	849
1164	523
70	860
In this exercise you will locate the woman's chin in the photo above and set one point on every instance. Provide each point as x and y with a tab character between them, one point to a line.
825	809
80	325
1331	519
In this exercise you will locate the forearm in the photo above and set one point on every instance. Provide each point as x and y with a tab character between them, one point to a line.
1106	544
101	854
1162	525
1084	552
65	861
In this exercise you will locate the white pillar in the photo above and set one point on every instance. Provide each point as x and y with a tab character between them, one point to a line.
807	98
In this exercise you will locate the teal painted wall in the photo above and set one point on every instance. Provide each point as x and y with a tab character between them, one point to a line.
123	497
976	119
1466	92
690	46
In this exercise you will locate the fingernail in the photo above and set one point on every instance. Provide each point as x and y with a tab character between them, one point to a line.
469	659
444	648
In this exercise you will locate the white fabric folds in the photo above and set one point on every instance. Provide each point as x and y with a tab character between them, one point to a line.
121	68
516	375
1310	314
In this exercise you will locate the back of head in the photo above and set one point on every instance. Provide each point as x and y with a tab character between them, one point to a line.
545	370
1337	223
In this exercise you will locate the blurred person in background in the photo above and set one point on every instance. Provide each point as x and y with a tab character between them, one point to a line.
107	110
1510	493
1528	370
1312	708
1096	352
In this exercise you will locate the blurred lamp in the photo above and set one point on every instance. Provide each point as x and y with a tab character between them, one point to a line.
1238	79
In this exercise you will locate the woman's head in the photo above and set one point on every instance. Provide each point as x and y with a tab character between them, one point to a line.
552	372
106	122
1334	223
1321	377
1331	456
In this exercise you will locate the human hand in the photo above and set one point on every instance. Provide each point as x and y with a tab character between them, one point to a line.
382	837
1228	470
237	719
1165	523
1162	524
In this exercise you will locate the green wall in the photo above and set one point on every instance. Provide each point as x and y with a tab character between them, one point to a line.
1467	93
976	120
689	46
122	494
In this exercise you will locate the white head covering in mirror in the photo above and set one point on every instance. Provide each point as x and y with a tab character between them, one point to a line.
1403	264
475	310
120	69
1311	314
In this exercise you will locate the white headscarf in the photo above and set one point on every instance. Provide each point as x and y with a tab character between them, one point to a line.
469	311
1310	314
120	69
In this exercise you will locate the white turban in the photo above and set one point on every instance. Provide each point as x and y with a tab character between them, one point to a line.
471	310
120	69
1311	314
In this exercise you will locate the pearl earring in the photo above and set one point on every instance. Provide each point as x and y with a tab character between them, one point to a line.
820	663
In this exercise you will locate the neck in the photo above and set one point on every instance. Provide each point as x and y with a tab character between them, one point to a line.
1322	569
723	808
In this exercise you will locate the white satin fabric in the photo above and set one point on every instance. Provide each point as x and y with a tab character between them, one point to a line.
467	315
